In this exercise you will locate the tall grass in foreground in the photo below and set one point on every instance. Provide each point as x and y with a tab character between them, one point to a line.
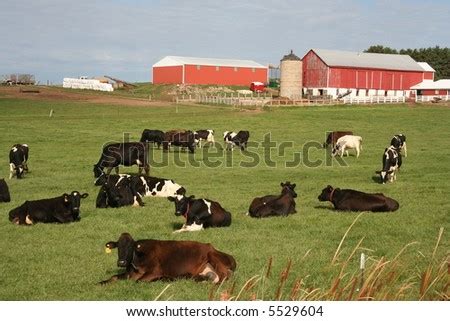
381	279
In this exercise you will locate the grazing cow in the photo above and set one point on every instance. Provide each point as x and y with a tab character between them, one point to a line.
118	191
351	200
275	205
391	162
154	136
61	209
399	142
199	213
334	136
232	139
345	143
151	260
18	157
126	154
204	134
4	192
146	185
179	138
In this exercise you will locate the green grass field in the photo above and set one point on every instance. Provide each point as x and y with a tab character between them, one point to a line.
65	262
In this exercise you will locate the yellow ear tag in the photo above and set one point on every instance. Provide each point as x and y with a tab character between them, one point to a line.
107	250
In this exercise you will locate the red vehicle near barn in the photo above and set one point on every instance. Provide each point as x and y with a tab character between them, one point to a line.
257	87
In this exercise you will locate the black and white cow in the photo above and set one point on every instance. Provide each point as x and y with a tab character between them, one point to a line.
126	154
61	209
199	213
206	135
182	139
399	142
152	135
146	185
18	157
118	191
4	192
232	139
391	162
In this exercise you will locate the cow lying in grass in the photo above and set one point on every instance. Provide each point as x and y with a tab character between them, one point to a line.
275	205
151	260
200	213
351	200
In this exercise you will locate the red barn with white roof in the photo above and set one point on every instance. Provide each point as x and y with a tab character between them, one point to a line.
208	71
333	72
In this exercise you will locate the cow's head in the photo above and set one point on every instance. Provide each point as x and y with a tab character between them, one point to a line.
101	179
326	194
98	171
73	200
384	175
125	246
288	188
117	191
181	203
19	171
336	149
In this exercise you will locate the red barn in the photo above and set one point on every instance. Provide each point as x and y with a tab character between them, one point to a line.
332	72
428	89
207	71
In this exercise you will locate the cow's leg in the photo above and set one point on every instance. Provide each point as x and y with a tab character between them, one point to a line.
108	170
404	147
12	170
114	278
147	169
149	277
209	273
357	152
116	169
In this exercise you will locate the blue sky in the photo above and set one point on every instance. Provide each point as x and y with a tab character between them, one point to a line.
53	39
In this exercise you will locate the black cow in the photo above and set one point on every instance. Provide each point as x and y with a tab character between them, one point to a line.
118	191
151	260
61	209
240	139
152	135
199	213
399	142
275	205
126	154
351	200
182	139
18	157
332	137
4	191
391	162
206	135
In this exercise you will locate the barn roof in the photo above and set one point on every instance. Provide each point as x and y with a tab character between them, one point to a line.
425	66
180	61
434	85
337	58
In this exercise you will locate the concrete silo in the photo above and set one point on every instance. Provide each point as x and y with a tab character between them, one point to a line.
291	76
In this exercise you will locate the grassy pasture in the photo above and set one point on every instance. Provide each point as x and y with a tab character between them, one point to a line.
64	262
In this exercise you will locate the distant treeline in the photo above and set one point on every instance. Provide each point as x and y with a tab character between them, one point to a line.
436	57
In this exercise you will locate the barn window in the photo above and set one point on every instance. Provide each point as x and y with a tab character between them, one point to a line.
235	68
217	68
198	67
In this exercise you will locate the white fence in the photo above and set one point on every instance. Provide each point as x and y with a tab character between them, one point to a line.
233	99
92	84
374	100
423	99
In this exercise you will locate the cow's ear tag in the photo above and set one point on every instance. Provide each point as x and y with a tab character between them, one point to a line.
107	250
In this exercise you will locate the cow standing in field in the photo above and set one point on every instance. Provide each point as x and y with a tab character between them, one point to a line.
126	154
61	209
391	163
332	137
18	157
199	213
345	143
4	192
399	142
275	205
351	200
232	139
151	260
152	136
179	138
206	135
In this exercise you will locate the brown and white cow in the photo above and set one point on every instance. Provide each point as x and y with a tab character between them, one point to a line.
151	260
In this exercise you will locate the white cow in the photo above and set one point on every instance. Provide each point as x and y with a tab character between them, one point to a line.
345	143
